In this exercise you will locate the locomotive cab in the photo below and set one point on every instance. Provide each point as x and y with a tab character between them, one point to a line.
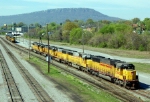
126	72
85	59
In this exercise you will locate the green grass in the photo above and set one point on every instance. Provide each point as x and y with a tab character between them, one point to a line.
142	67
86	92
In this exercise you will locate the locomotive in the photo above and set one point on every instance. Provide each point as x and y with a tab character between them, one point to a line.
10	37
120	72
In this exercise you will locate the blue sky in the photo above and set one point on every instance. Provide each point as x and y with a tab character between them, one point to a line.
126	9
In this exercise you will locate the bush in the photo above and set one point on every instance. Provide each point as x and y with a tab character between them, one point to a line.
142	48
102	45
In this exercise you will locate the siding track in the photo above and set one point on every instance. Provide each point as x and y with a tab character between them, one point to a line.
14	93
38	91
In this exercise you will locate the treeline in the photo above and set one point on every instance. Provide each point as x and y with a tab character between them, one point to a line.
128	34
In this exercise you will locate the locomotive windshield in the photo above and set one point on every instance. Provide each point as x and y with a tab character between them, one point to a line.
129	66
125	66
86	56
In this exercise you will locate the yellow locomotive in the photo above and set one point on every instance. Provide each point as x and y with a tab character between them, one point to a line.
120	72
35	47
10	37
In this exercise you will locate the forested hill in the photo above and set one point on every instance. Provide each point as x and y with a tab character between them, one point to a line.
56	15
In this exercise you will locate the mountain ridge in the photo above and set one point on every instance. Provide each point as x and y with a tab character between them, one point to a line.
56	15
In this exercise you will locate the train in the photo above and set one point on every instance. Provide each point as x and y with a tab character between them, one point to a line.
12	36
120	72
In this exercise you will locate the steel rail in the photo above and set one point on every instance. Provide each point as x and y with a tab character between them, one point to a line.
15	95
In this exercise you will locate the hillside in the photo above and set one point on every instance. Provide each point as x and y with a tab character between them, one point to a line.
56	15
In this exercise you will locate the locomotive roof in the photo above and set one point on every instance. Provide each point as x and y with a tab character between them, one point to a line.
101	59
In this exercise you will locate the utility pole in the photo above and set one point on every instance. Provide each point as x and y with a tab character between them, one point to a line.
29	41
82	38
82	41
48	49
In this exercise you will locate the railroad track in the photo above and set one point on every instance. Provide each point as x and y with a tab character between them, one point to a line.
15	95
38	91
116	90
143	93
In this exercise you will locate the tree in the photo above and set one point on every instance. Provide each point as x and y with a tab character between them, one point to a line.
127	22
105	22
107	29
20	24
79	36
51	27
69	26
76	20
68	20
147	23
37	25
123	28
14	25
135	20
75	35
89	22
99	40
146	19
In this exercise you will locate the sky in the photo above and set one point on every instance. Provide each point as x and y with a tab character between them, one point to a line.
125	9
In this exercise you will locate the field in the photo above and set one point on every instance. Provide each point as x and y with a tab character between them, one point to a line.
142	67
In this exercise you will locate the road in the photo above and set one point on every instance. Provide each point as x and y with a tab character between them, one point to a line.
143	77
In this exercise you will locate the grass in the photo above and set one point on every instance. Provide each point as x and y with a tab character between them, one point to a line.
86	92
142	67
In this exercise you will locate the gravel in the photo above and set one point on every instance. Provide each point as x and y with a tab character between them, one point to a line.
23	87
3	89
